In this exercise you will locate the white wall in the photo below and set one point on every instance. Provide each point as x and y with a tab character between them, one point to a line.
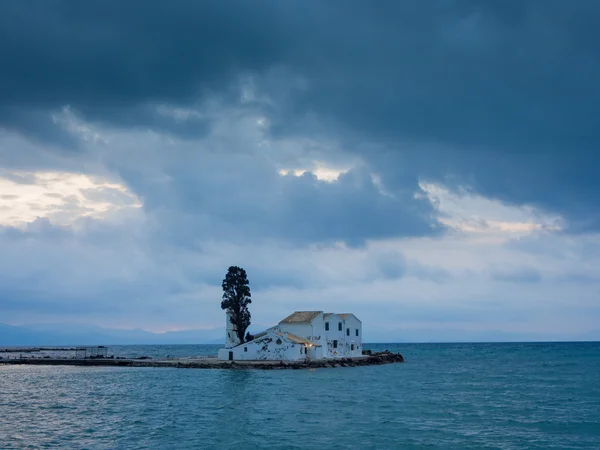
352	324
318	330
270	347
315	352
312	331
334	333
231	338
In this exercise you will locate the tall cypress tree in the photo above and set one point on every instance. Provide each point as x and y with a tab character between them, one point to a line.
236	298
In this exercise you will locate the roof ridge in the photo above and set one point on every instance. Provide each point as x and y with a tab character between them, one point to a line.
301	316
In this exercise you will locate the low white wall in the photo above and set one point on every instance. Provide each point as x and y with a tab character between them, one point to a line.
270	347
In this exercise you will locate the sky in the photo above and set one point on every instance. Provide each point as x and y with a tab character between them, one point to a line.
431	167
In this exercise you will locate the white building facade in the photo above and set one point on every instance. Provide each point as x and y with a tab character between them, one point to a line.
334	334
352	334
303	335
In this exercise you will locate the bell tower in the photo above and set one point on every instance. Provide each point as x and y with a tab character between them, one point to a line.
231	337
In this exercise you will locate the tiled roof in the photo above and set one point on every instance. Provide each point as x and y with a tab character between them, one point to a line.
346	315
301	317
298	340
328	314
261	334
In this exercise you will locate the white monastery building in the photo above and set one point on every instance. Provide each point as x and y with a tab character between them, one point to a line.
302	335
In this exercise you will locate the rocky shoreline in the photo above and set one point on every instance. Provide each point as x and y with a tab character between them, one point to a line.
376	358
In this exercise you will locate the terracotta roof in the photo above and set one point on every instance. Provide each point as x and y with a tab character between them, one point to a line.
261	334
301	317
346	315
298	340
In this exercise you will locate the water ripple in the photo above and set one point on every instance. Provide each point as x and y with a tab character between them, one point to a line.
500	396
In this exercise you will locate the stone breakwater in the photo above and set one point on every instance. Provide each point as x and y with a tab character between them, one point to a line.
378	358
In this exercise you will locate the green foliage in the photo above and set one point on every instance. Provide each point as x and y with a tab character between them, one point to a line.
236	298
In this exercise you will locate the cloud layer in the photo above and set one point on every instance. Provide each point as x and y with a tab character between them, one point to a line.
426	166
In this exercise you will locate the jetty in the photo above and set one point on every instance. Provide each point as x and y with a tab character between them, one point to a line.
377	358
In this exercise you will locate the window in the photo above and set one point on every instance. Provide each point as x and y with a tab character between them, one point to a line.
245	349
347	331
340	326
326	326
300	350
352	347
357	331
335	344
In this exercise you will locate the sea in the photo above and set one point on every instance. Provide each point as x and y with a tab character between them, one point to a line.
445	396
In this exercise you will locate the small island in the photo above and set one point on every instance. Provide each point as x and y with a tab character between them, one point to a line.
304	339
368	359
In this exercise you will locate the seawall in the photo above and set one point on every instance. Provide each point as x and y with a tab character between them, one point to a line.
212	363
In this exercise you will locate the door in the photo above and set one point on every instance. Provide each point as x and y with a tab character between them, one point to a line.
230	356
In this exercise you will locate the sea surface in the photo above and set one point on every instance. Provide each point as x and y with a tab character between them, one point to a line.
446	396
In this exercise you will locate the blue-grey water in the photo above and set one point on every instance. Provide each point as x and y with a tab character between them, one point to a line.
447	396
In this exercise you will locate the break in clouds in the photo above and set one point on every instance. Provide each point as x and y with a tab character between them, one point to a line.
430	168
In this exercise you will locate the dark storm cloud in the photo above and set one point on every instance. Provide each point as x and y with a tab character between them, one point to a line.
235	205
346	209
37	124
148	117
501	95
101	58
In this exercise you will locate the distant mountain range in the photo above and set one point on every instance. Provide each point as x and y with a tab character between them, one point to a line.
77	334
